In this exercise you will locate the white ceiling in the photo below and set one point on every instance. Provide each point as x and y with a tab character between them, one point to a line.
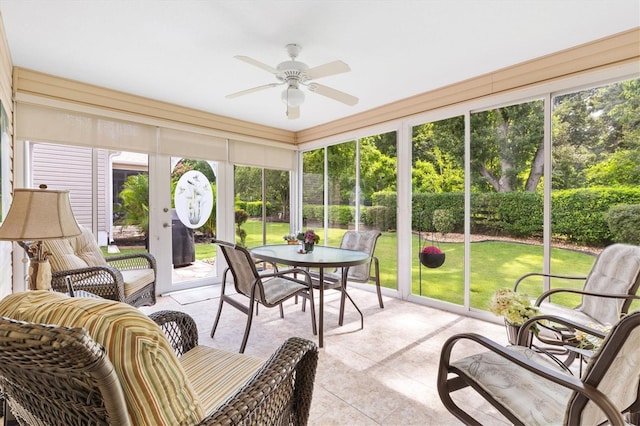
183	51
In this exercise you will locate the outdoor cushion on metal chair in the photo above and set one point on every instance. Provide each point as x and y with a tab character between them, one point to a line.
129	278
609	289
362	241
103	362
528	388
269	289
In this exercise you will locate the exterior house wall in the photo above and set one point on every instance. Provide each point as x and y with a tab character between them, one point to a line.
6	164
70	168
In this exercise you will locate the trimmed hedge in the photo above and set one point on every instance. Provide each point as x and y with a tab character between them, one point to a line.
579	214
624	223
254	208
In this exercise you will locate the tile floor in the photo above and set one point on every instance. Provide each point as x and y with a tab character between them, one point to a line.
384	374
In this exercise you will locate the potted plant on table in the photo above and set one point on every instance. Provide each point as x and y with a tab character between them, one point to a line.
291	239
309	238
515	308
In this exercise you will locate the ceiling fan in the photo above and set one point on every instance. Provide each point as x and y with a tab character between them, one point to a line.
294	74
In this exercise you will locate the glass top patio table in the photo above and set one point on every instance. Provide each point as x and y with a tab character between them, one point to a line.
321	257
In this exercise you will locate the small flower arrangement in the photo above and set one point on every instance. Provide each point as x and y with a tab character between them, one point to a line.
309	236
589	341
290	237
515	307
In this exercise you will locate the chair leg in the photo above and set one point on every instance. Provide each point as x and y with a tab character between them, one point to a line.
281	311
247	328
215	323
313	312
222	287
377	279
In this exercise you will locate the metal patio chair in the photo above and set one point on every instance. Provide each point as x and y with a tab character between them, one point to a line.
528	387
609	289
269	289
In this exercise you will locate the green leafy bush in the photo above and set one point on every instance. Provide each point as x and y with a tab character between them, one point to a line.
254	208
578	214
443	221
241	217
378	217
624	223
341	216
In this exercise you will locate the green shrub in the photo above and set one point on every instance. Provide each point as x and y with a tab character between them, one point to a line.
241	217
443	221
312	213
254	208
424	204
624	223
387	217
378	217
578	214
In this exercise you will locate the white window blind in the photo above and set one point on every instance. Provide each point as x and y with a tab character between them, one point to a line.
192	145
46	124
251	154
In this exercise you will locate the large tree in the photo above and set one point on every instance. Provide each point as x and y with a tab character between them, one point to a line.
507	146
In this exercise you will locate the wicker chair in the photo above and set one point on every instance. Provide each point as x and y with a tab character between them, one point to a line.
60	375
530	388
269	289
609	289
354	240
128	278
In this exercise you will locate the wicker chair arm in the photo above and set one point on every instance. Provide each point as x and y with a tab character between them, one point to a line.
279	393
104	281
568	381
132	261
540	274
180	329
548	294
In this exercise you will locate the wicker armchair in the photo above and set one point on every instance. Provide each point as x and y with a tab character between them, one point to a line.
128	278
55	374
530	388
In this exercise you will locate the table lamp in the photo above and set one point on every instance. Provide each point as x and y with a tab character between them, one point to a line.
36	215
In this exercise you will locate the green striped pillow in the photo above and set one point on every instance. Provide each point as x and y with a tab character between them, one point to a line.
155	386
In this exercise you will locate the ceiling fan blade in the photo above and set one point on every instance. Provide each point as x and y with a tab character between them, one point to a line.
337	95
257	63
255	89
293	112
331	68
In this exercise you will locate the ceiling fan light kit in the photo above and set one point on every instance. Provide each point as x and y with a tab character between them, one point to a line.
292	96
294	73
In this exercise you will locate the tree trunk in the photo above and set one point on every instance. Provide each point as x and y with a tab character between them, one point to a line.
537	169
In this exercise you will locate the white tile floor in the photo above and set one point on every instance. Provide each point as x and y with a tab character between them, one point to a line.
384	374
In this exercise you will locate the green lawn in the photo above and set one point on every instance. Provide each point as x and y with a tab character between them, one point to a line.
494	264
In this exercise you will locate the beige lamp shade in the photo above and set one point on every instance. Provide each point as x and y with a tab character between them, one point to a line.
39	214
36	215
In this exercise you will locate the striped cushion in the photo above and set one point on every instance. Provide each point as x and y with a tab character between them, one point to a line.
62	257
215	375
75	252
156	389
86	247
136	279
